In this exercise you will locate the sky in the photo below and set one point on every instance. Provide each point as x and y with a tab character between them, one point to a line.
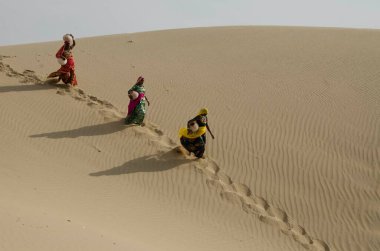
29	21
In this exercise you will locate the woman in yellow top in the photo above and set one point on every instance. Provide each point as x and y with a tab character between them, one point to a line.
193	138
202	121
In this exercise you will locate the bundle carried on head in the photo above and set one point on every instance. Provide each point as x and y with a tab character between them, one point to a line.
69	39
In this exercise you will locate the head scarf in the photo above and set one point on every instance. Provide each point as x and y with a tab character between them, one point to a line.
68	38
140	79
203	111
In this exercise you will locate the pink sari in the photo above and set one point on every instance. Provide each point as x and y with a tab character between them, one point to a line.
133	103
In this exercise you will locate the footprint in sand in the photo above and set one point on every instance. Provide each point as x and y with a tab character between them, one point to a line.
28	76
299	234
278	214
242	189
238	193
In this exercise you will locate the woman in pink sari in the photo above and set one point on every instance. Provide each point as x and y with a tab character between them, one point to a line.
136	108
65	57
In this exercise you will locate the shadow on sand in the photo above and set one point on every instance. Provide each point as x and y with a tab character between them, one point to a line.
48	84
25	87
93	130
150	163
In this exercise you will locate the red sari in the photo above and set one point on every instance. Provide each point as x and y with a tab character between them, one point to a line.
67	71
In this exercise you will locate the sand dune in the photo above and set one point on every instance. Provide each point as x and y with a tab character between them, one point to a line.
294	165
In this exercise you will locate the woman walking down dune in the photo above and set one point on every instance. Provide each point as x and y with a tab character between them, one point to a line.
65	58
136	107
202	121
191	138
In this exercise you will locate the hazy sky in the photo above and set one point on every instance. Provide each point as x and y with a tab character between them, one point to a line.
26	21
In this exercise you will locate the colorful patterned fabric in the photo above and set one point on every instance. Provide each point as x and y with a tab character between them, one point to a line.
196	146
137	115
134	102
138	88
67	71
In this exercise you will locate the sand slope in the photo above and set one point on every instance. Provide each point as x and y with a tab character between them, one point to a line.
294	166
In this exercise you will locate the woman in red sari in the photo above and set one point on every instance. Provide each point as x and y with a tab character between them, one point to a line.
65	57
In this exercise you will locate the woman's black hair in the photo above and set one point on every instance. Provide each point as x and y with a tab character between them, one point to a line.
73	44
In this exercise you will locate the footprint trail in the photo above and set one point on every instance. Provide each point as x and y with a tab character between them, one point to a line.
257	206
215	177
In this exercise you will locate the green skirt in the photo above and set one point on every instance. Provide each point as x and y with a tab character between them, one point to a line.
137	116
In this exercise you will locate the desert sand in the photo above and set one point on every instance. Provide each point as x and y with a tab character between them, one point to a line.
295	163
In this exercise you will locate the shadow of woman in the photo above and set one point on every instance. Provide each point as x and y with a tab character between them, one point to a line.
25	88
150	163
48	84
93	130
